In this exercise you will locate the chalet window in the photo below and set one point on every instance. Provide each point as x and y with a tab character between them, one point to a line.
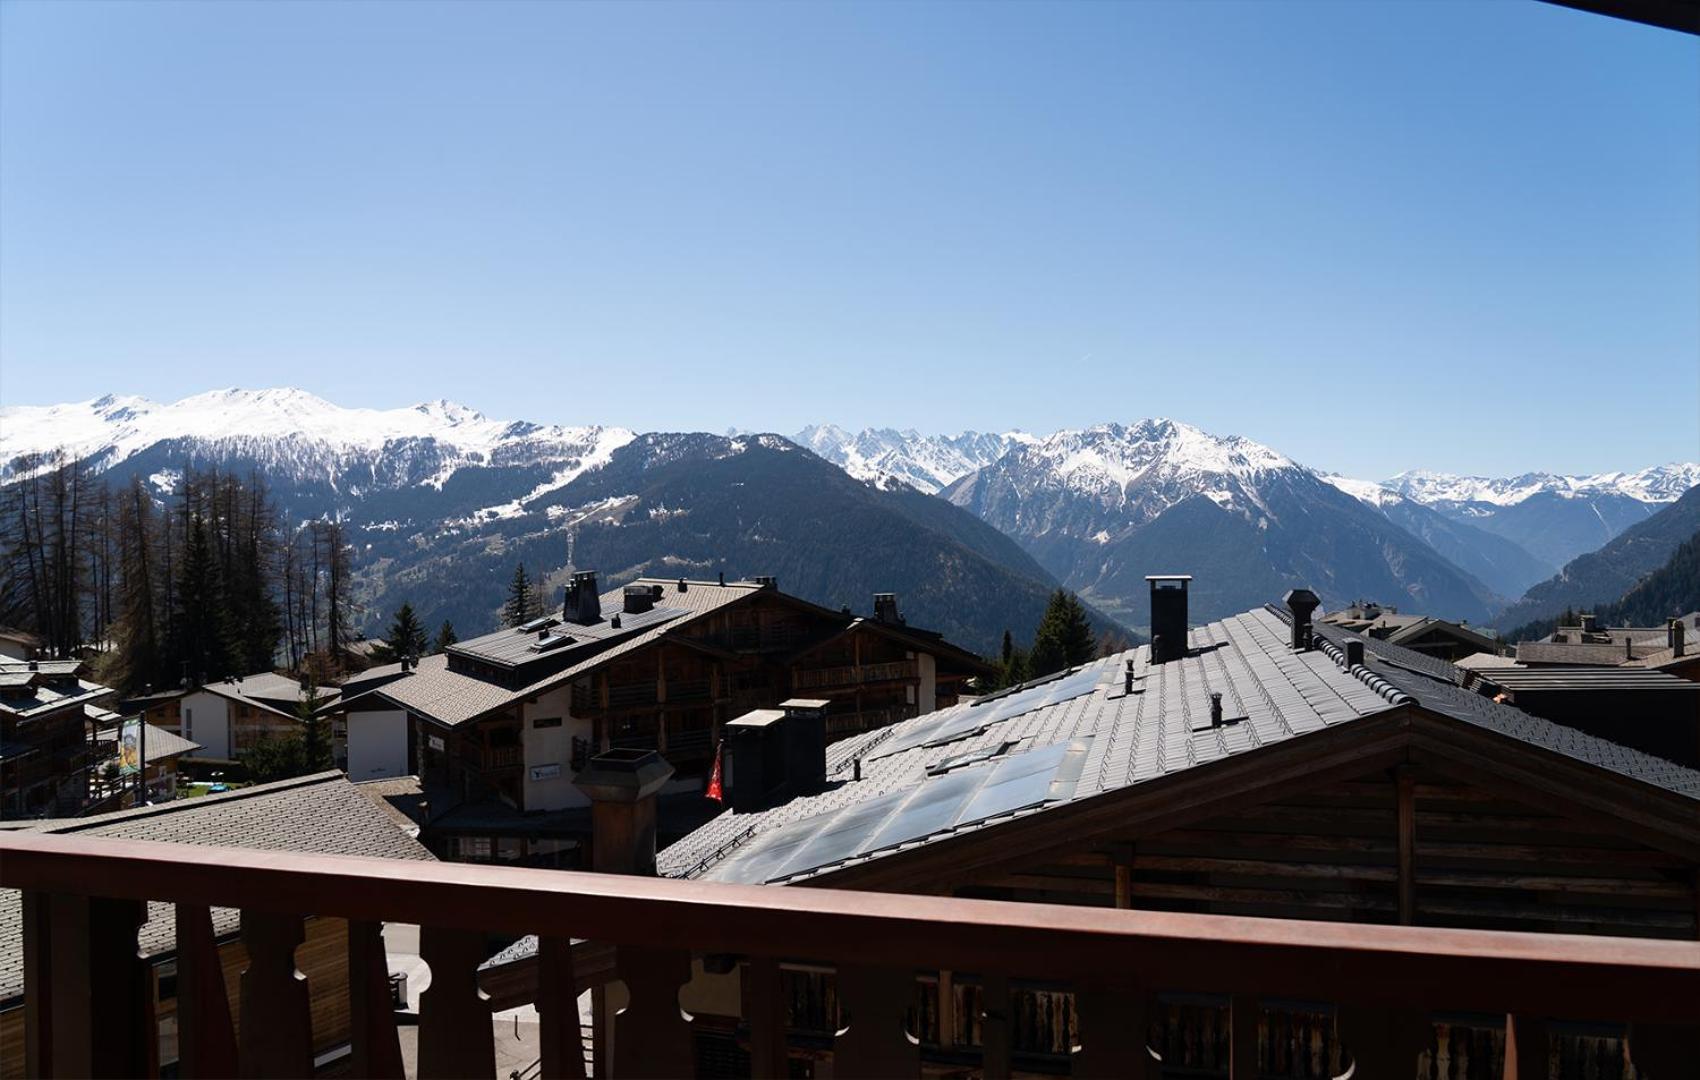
472	847
546	722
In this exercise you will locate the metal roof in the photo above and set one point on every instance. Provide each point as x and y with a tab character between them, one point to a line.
919	778
1587	678
1269	694
516	646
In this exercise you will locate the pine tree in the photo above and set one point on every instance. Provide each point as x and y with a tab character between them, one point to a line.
202	641
1008	648
518	608
446	636
406	637
138	659
1064	638
315	740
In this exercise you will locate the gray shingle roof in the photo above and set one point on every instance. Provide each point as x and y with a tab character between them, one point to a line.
321	814
451	698
1269	694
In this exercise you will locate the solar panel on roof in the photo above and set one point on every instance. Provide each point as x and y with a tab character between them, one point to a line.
970	720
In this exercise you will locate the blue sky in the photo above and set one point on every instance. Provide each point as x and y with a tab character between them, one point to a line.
1460	235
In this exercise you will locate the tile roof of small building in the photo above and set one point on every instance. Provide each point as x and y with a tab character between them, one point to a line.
973	765
321	814
48	693
160	743
270	691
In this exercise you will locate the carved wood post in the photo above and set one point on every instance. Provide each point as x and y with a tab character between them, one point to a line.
764	1008
1527	1052
95	1016
206	1037
1244	1012
652	1036
1383	1042
38	984
456	1033
275	1036
876	1042
996	1026
561	1052
1113	1026
1662	1049
372	1031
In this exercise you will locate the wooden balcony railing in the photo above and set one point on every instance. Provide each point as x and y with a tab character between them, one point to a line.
83	900
819	678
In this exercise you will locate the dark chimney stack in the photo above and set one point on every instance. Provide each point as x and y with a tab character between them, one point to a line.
766	581
1301	603
1588	624
1354	654
622	785
885	609
584	605
1216	708
722	578
637	599
773	755
1676	633
1168	616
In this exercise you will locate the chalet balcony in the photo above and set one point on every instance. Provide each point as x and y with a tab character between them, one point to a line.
856	675
83	899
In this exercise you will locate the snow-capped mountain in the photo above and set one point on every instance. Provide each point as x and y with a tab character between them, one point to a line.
298	437
1104	506
925	462
1553	517
1657	484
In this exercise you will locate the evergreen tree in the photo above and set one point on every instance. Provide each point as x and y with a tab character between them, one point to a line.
1008	648
446	636
1064	638
518	608
315	736
202	641
406	637
339	583
139	659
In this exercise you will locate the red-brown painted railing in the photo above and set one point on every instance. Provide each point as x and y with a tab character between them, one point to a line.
83	903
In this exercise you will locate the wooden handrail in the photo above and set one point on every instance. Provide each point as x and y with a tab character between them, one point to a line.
1491	971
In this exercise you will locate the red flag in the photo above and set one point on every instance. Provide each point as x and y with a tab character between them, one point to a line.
714	791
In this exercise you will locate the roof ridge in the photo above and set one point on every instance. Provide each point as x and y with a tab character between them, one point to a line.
1375	682
182	805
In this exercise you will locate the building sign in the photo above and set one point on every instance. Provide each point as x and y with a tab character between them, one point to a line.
130	747
545	772
435	742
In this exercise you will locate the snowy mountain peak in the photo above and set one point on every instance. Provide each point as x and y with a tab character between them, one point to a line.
1656	484
296	433
883	456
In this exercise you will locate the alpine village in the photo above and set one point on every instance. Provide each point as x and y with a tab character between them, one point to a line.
413	742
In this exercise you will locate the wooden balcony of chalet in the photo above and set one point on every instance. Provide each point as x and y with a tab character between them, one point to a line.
856	675
88	995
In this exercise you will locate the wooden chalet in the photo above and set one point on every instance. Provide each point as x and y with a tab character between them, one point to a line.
1273	767
498	727
46	747
321	814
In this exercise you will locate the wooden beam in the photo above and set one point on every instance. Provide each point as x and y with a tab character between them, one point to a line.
1407	843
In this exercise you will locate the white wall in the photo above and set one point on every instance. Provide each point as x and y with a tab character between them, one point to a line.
206	720
14	650
377	744
929	670
549	752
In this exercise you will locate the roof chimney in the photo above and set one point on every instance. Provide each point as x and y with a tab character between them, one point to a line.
1675	635
1354	656
1216	708
637	599
1168	616
773	755
584	605
722	578
1301	602
622	785
885	608
766	581
1588	624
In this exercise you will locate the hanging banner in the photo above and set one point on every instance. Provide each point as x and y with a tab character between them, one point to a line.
130	746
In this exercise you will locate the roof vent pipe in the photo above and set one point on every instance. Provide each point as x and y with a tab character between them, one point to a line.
1676	634
1301	603
1216	708
1354	655
722	578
